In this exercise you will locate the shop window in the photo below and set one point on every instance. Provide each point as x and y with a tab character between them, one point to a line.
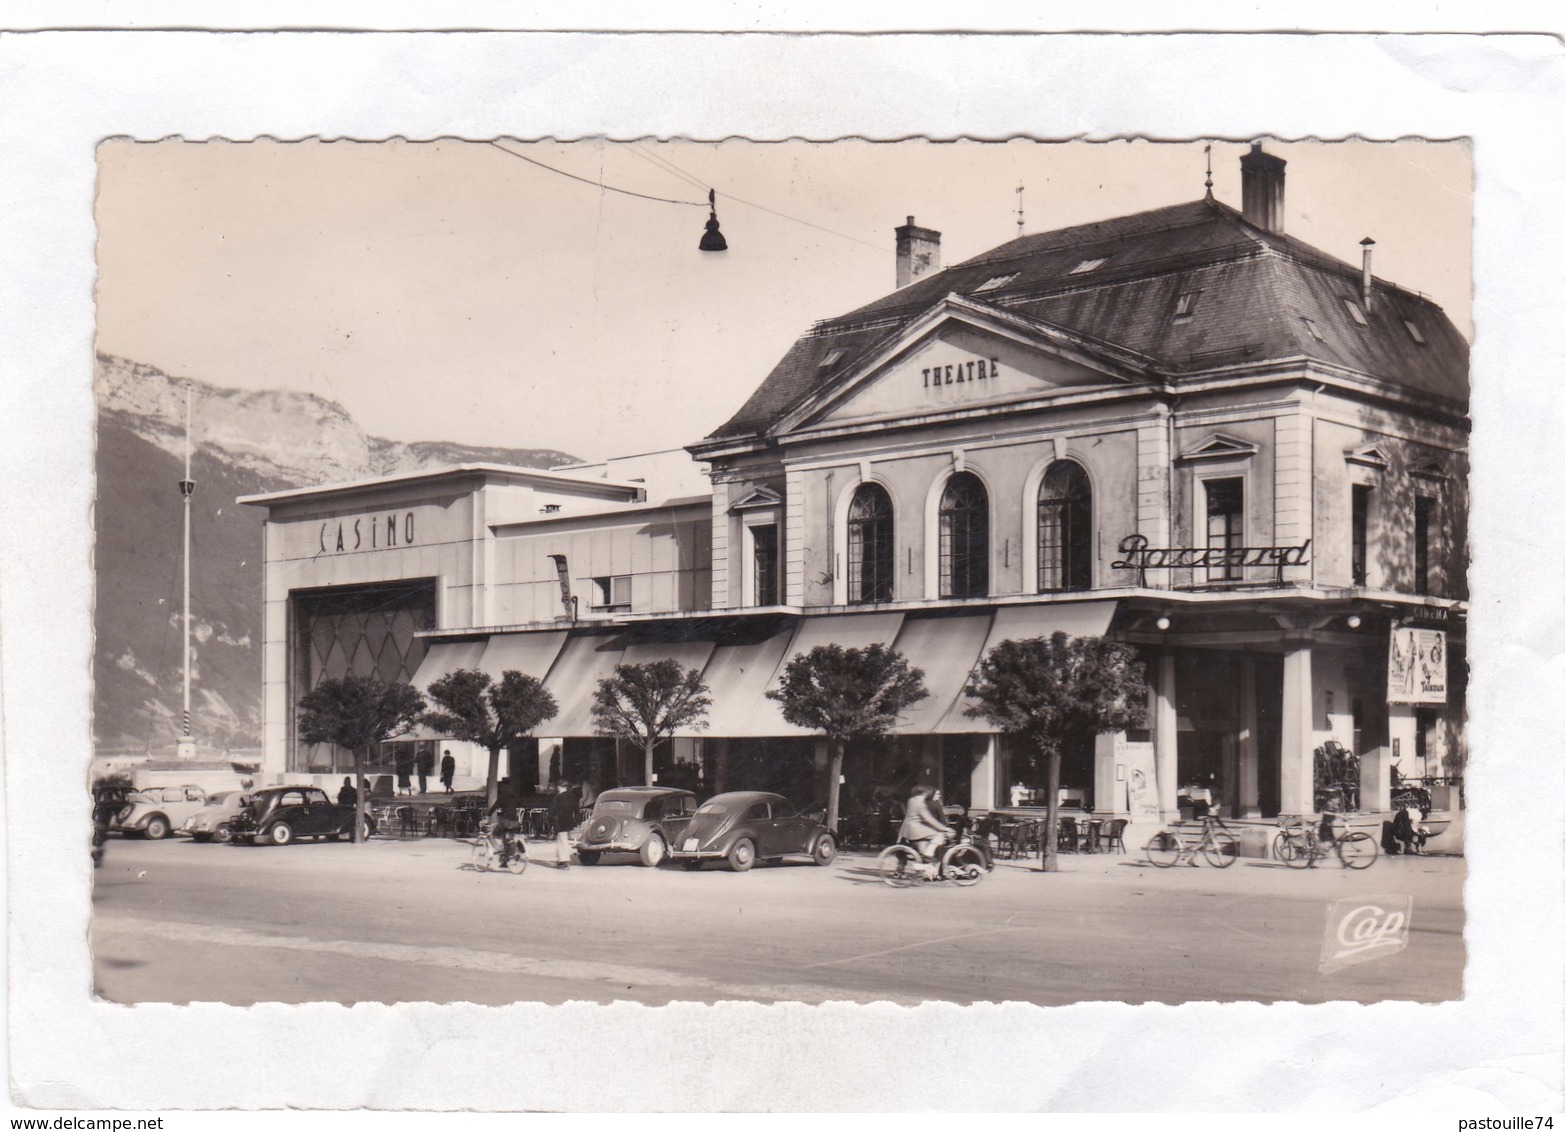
763	550
1423	516
1065	528
964	537
611	594
870	551
1360	534
1225	525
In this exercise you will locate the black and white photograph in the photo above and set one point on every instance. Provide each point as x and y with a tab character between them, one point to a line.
643	590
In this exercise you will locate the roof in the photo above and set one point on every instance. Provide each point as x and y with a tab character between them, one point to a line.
1254	291
424	477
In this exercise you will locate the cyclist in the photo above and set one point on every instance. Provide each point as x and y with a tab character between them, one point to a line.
505	827
921	828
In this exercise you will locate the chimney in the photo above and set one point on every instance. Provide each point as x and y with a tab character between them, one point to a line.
1261	175
1365	283
918	252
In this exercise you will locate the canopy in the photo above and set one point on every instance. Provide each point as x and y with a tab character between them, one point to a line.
573	679
445	657
946	648
527	653
738	676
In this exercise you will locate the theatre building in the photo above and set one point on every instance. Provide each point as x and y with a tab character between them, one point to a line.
1183	429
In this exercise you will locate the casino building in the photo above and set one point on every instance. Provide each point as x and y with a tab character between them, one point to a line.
1181	428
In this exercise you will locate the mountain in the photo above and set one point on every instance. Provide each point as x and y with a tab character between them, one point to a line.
246	442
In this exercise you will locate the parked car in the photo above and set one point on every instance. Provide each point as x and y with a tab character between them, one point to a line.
279	814
214	821
156	811
746	826
635	819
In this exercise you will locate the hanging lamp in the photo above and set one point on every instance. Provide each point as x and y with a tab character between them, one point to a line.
712	239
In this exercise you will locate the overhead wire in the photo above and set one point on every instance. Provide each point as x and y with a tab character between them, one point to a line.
594	184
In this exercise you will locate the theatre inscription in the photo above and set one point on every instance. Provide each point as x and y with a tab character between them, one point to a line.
1139	556
960	373
371	532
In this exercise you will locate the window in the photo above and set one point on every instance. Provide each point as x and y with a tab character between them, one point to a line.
1065	528
995	282
1423	516
1413	332
870	559
1087	265
763	543
1361	534
1313	328
611	594
964	537
1184	306
1224	525
1355	312
831	359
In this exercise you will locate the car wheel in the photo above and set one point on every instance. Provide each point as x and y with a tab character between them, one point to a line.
156	828
825	850
742	856
653	851
692	866
282	833
587	856
201	838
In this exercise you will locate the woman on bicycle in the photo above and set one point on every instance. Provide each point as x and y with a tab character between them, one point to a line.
921	828
505	827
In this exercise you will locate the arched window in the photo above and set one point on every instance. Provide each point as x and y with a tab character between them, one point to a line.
1065	528
870	558
964	537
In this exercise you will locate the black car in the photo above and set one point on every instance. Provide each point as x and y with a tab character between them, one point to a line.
748	826
635	819
279	814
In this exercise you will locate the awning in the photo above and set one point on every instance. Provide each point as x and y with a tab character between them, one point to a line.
1018	622
445	657
738	676
946	648
573	680
689	654
527	653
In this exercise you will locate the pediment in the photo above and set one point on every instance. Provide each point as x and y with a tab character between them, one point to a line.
1219	446
1369	455
957	363
757	499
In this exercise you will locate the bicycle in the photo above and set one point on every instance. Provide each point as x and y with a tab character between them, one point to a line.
498	852
1219	846
1299	846
901	865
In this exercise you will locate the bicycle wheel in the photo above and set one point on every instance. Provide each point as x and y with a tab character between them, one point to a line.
1284	848
1220	849
1164	850
898	866
516	864
1357	850
483	854
1304	851
964	864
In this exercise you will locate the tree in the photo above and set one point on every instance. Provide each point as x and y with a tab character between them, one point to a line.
357	712
646	703
475	709
1053	692
847	693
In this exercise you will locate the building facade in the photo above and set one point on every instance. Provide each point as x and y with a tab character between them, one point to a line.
1183	429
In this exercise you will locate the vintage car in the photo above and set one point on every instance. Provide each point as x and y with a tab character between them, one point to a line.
279	814
156	811
747	826
635	819
214	821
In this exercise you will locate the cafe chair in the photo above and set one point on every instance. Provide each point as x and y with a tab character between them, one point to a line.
1070	836
1112	838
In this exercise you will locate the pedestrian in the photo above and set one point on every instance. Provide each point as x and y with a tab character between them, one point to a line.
426	765
347	796
1408	837
404	773
563	810
447	770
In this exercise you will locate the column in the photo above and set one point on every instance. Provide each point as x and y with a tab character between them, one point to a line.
1298	731
1165	739
719	772
1249	755
985	778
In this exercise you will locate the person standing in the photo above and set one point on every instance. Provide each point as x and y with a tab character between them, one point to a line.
447	770
347	796
563	813
426	765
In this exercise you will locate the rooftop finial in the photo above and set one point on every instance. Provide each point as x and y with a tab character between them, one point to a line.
1208	172
1019	215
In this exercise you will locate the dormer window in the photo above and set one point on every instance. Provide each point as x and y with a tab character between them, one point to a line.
1184	306
995	282
1313	328
1087	265
1413	331
1355	312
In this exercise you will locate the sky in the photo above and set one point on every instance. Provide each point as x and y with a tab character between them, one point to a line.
453	291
